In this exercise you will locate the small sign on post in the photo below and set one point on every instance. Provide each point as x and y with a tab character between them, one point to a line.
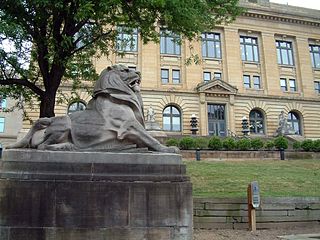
253	203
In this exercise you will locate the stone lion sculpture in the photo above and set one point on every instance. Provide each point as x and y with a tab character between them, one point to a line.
113	120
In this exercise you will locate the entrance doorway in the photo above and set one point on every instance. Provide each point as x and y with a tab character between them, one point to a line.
216	120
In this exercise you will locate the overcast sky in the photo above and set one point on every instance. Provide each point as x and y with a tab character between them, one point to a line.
301	3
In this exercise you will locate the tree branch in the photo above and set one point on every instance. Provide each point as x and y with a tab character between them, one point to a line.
22	82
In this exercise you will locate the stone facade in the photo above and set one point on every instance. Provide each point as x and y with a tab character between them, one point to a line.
241	84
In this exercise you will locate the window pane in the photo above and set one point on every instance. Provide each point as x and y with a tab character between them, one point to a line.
246	81
217	75
293	86
317	60
283	84
217	49
210	49
249	52
284	54
279	56
175	111
164	76
162	45
3	103
166	123
256	82
1	124
176	76
76	106
170	46
206	76
176	123
290	57
256	54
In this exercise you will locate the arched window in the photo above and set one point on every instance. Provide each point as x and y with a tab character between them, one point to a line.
256	122
171	119
294	122
76	106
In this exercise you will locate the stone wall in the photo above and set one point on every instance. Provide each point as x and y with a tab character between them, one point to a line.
232	213
248	155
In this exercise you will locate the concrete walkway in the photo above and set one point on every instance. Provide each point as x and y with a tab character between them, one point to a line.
301	237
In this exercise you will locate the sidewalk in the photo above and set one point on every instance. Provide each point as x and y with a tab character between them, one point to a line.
270	234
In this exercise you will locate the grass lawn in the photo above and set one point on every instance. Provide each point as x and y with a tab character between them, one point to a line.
276	178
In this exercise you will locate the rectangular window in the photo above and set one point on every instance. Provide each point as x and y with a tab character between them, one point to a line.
1	124
317	87
246	81
3	103
175	76
284	53
256	82
169	42
315	55
283	84
292	84
127	39
211	45
206	76
164	76
217	75
249	49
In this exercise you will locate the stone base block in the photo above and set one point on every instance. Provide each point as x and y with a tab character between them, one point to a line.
88	199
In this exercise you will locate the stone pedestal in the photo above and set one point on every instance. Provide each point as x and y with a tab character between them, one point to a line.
97	196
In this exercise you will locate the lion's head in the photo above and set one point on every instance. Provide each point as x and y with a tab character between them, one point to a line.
118	77
120	84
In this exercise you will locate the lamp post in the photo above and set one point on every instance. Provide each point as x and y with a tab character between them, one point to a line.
245	126
194	124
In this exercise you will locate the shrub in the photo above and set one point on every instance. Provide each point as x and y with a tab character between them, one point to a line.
256	143
307	145
243	144
296	145
281	142
229	143
187	143
269	145
215	143
172	142
316	145
201	143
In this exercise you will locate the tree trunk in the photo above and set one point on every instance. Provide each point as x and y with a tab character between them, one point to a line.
47	104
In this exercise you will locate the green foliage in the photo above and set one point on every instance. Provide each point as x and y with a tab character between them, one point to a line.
229	143
187	143
316	145
296	145
256	143
215	143
307	145
269	145
201	143
281	142
67	34
172	142
243	144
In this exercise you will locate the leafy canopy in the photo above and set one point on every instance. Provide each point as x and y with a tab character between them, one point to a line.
66	34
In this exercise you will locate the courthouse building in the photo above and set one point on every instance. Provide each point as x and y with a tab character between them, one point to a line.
266	62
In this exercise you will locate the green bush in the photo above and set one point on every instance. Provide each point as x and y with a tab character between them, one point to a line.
307	145
172	142
187	143
296	145
256	143
244	144
269	145
201	143
316	145
215	143
229	143
281	142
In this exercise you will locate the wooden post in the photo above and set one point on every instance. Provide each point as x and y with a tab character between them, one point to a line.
251	210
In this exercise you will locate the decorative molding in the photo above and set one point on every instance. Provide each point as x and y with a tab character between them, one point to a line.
282	19
216	87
